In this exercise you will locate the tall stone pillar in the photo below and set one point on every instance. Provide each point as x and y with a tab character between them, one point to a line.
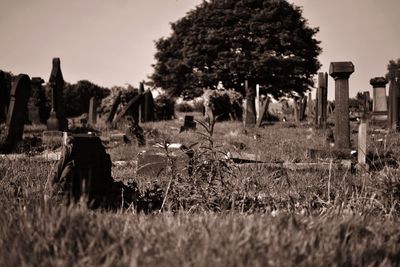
341	71
380	108
394	98
322	99
57	86
93	110
250	120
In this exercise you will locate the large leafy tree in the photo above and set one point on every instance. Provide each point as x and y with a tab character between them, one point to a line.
393	69
266	42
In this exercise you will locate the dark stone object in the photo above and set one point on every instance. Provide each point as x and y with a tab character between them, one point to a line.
56	81
155	162
84	171
16	116
378	82
341	72
188	124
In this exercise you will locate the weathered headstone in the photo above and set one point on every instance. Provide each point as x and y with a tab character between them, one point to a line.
93	110
155	162
148	106
250	111
263	110
362	142
57	86
310	111
5	87
341	72
114	109
140	111
16	116
380	108
394	98
322	92
188	124
37	101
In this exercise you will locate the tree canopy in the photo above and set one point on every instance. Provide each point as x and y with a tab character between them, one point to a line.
267	42
393	69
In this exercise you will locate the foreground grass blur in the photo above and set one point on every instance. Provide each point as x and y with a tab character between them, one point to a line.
257	217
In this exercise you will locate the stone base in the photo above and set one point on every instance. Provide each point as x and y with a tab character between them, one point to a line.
329	153
52	138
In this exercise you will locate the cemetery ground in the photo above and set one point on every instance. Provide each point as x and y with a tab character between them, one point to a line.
225	214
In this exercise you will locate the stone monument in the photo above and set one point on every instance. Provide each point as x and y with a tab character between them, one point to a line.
380	108
341	71
16	116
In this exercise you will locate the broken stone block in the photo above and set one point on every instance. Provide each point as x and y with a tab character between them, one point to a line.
154	162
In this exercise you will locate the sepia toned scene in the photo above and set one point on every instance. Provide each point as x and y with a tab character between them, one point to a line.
199	133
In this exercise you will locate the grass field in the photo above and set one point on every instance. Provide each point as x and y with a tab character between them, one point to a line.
240	216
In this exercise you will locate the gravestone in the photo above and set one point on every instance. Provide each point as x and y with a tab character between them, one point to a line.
37	101
322	92
188	124
394	98
148	106
341	71
5	87
114	108
250	109
310	110
93	110
362	142
16	116
56	82
141	108
263	110
154	162
380	108
84	170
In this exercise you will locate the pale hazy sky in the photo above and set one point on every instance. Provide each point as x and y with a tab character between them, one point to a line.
111	42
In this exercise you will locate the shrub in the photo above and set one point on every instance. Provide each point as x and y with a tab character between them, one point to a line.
224	104
164	107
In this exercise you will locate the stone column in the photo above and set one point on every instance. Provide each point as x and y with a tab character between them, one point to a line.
141	106
380	108
93	110
322	99
341	71
257	102
250	120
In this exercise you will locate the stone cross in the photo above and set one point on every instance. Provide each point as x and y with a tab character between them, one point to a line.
250	112
380	109
322	92
16	116
341	71
57	86
93	103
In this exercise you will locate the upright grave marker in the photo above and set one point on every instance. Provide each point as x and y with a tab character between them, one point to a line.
57	111
322	99
4	95
16	116
362	141
114	108
250	112
394	98
148	106
380	109
37	101
93	103
341	71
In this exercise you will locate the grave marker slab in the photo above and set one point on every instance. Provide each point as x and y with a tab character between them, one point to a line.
16	116
250	111
188	124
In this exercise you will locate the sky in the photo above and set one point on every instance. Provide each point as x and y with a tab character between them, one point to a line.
112	42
